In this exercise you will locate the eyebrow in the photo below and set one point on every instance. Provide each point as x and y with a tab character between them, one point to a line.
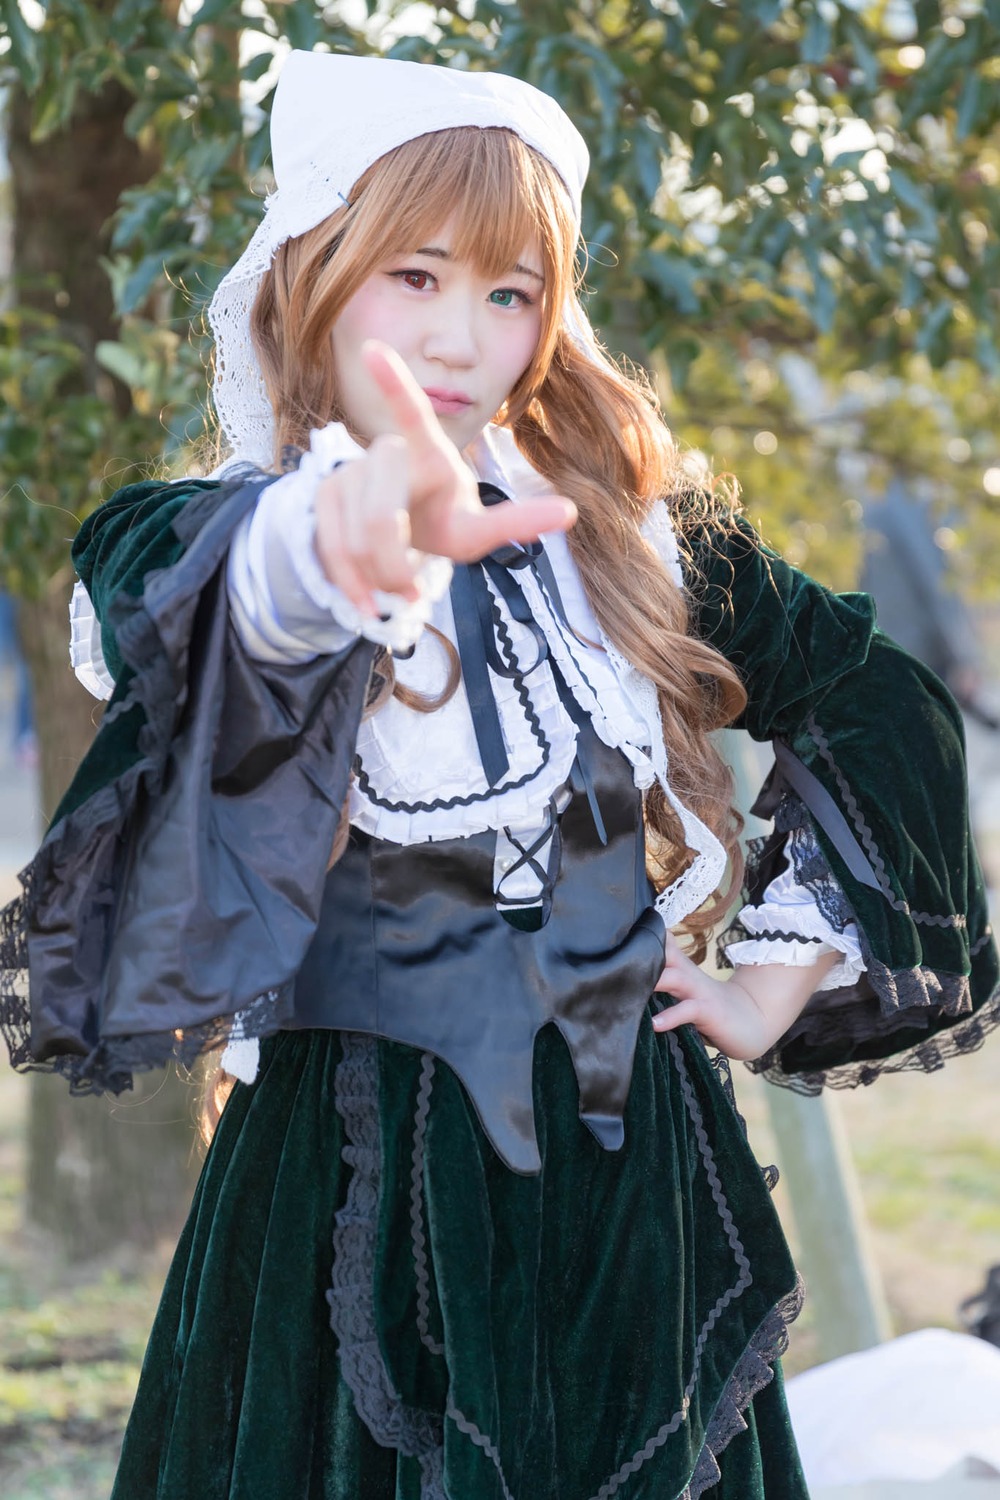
439	254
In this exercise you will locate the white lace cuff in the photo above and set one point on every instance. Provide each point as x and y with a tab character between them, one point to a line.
284	607
241	1058
789	928
85	653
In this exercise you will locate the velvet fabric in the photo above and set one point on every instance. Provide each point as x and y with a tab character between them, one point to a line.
547	1327
128	538
884	738
878	731
588	1331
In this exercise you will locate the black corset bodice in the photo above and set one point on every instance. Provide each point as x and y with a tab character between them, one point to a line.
412	946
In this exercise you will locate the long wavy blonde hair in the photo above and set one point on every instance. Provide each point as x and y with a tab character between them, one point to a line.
592	429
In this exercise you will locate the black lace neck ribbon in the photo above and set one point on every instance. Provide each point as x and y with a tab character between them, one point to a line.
475	615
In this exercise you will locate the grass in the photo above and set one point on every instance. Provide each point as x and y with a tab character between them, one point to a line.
71	1344
903	1179
927	1155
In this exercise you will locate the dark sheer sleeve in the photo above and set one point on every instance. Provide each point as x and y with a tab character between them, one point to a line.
870	760
167	894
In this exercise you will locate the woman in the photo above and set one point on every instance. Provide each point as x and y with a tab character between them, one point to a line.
555	1266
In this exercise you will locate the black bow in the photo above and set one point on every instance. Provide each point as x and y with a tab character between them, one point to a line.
481	633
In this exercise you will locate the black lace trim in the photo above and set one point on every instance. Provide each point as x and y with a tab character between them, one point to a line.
153	686
351	1296
110	1065
928	1056
890	1000
15	1017
810	868
439	804
352	1312
723	1070
754	1371
809	864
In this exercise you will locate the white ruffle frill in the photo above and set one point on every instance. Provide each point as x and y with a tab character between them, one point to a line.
789	928
419	775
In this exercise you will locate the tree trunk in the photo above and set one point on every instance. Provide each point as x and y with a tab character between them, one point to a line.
65	713
109	1175
102	1173
63	192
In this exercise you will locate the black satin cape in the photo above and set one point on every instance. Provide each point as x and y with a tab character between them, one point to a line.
168	895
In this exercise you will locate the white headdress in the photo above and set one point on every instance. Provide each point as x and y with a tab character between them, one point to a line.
333	116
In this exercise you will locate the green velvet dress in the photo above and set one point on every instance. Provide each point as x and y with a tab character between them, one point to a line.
595	1330
366	1301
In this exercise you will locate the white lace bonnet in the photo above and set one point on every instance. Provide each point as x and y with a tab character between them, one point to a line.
333	116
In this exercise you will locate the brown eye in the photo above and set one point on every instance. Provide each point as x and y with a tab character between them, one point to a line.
417	279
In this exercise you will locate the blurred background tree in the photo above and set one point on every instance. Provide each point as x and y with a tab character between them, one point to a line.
792	220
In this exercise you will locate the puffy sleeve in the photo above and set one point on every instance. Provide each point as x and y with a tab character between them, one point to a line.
283	606
167	895
869	800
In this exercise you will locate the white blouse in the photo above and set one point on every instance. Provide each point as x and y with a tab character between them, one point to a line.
420	776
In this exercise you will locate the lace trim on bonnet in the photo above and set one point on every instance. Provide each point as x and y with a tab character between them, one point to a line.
324	135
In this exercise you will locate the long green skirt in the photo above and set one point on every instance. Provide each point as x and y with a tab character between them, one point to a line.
367	1304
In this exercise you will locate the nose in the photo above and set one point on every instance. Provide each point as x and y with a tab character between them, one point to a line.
450	336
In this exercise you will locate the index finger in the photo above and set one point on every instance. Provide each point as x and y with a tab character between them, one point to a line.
411	410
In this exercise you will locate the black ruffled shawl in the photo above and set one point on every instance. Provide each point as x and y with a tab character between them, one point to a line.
168	894
104	968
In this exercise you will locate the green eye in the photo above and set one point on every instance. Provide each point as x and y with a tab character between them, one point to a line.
502	298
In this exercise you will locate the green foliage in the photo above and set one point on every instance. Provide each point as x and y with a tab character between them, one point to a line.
804	477
61	440
915	1190
723	180
739	418
785	168
801	175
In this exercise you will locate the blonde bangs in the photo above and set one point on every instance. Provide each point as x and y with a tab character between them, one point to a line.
498	193
498	197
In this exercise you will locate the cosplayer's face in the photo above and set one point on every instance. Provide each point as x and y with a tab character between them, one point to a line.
466	339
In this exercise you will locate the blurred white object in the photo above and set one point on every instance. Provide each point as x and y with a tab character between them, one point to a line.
970	1481
951	1487
916	1408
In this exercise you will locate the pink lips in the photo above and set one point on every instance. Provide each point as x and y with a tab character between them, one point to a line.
447	403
